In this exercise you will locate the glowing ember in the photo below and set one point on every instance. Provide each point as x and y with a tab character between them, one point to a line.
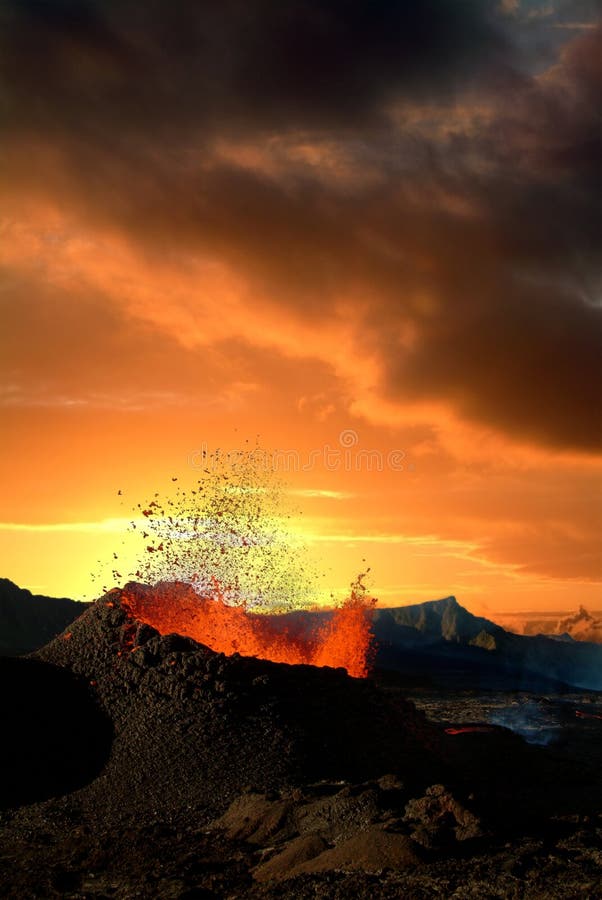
470	729
175	607
584	715
230	525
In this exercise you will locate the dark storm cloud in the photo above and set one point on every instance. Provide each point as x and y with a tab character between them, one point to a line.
521	356
516	338
476	240
79	64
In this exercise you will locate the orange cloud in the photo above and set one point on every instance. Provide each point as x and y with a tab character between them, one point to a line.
190	260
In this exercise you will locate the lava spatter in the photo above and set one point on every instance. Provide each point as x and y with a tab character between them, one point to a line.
344	641
217	556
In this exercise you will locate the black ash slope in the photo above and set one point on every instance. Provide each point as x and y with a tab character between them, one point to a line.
55	736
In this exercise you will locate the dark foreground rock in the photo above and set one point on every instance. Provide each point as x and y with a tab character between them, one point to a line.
379	860
55	737
172	771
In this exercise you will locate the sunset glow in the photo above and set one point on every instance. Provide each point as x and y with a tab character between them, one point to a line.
397	296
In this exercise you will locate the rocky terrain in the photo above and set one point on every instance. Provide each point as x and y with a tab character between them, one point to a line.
136	765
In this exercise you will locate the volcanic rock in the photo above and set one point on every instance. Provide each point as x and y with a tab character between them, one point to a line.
194	728
348	828
370	851
256	819
340	816
298	851
438	818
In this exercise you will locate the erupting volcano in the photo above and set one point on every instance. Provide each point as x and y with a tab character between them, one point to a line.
217	557
176	608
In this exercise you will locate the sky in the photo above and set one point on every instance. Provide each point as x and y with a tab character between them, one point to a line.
364	235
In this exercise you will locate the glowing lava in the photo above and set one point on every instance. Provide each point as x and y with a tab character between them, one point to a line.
584	715
470	729
176	607
217	556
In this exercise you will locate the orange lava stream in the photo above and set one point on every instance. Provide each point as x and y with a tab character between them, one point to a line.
176	608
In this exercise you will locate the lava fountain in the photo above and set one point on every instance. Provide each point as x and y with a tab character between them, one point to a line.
219	567
344	640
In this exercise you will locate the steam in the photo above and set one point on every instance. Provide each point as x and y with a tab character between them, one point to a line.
533	721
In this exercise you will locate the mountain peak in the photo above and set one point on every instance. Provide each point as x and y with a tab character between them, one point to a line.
447	603
444	601
444	618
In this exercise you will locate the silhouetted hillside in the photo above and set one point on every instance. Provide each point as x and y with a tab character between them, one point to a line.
440	636
28	621
440	619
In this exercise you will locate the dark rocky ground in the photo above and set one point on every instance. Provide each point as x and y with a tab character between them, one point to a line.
172	771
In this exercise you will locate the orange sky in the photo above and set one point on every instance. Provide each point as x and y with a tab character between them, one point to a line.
402	303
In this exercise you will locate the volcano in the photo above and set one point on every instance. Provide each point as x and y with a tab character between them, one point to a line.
192	725
342	641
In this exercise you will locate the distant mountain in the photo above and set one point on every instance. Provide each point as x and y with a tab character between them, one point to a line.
444	635
28	621
437	620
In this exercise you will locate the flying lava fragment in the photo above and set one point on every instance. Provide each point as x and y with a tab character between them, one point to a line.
220	567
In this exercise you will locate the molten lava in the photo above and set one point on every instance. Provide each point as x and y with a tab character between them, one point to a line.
585	715
175	607
470	729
